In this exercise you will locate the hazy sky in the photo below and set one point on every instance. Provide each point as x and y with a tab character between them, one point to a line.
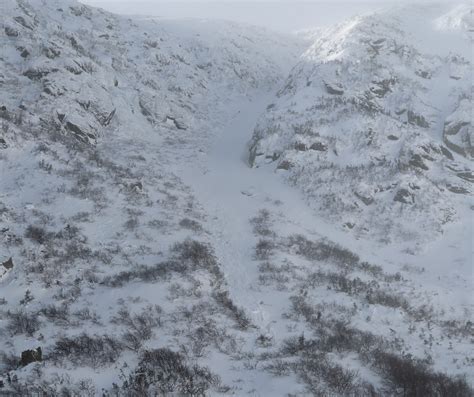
284	15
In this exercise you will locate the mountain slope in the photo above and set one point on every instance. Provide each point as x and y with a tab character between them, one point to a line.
374	124
143	256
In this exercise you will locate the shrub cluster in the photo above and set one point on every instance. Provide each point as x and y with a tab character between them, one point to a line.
165	372
93	351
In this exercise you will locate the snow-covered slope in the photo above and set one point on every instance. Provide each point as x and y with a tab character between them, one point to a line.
87	72
374	123
143	256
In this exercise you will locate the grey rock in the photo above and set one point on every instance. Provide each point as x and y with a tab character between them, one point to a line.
404	196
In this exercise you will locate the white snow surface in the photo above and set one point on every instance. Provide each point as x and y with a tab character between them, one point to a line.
123	138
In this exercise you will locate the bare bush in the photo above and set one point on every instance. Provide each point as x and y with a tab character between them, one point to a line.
58	314
93	351
37	234
262	224
322	250
407	376
195	253
22	322
139	326
162	371
237	313
264	249
146	273
190	224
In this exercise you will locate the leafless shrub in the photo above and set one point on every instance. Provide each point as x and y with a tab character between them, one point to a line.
162	372
37	234
263	249
195	253
22	322
322	251
45	166
237	313
132	223
262	224
93	351
8	362
139	326
58	314
405	375
316	369
146	273
190	224
86	315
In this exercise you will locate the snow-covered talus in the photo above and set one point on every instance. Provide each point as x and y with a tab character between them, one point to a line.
374	124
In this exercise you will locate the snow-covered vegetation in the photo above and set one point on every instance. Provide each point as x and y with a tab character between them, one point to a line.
140	252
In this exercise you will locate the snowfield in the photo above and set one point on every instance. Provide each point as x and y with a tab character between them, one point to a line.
205	208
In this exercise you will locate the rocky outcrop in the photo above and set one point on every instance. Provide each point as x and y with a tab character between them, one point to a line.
458	132
404	196
374	119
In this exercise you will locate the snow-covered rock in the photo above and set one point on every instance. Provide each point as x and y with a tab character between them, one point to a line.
381	103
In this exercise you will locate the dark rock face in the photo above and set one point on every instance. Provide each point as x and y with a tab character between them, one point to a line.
457	189
447	153
8	264
404	196
417	161
22	21
417	119
25	53
11	32
457	136
31	356
36	74
284	165
333	89
78	132
300	147
319	146
467	176
366	199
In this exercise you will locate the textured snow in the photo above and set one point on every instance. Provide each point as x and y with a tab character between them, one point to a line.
122	137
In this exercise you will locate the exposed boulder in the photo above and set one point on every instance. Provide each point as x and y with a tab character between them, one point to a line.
11	32
300	147
417	119
447	153
404	196
284	165
8	264
466	175
457	189
319	146
417	161
458	133
333	89
31	356
79	133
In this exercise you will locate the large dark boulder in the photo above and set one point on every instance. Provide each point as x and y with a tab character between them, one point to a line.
31	356
8	264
